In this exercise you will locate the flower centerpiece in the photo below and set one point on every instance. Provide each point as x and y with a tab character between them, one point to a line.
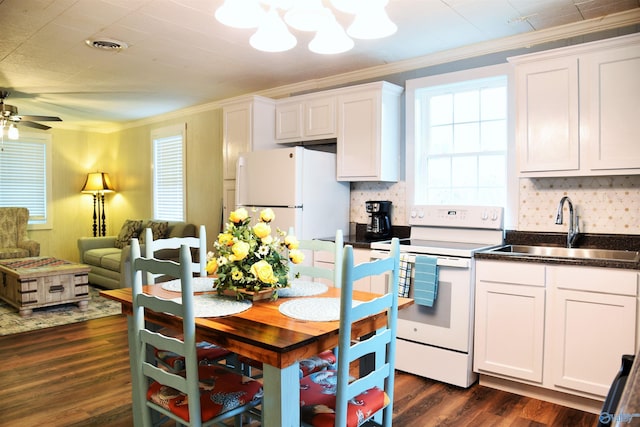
249	259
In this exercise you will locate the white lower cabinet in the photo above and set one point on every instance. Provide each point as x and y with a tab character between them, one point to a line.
509	331
562	328
593	318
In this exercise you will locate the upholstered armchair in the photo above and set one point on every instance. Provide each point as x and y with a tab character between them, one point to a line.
14	241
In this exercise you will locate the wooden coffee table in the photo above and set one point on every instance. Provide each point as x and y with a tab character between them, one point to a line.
28	283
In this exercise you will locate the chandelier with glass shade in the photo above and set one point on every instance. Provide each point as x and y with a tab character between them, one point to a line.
272	19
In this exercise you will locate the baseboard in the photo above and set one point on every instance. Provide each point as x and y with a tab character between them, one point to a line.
577	402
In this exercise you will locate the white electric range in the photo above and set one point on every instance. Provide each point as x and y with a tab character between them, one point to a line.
437	342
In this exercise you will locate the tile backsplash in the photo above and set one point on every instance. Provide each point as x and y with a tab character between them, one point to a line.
364	191
605	204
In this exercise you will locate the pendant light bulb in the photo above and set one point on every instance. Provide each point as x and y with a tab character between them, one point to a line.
240	13
306	15
272	34
331	39
371	21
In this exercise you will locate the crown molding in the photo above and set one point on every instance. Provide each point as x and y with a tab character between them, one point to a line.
526	40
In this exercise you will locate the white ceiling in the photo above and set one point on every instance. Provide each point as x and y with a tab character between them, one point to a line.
179	56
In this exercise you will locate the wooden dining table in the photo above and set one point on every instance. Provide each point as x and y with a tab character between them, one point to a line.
264	334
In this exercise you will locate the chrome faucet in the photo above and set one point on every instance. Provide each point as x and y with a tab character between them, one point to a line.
574	221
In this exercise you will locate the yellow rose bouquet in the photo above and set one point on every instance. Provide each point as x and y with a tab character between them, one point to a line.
250	258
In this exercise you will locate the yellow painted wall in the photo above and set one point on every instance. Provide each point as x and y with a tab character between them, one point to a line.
126	156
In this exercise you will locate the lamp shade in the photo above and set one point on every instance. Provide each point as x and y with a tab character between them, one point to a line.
97	182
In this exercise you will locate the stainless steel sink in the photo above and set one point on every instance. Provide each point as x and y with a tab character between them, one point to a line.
558	252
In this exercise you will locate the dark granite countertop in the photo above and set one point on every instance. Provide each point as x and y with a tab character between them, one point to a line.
629	242
359	240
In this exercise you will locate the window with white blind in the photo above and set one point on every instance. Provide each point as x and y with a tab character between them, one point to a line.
25	176
168	173
457	138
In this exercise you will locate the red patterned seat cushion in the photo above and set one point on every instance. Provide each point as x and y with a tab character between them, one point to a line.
324	360
220	391
318	401
207	354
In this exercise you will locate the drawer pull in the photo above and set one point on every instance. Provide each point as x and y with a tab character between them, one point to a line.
55	289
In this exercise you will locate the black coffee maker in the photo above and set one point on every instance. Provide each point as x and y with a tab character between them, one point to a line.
379	225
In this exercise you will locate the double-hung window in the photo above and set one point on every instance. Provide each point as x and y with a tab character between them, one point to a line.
169	173
457	139
25	176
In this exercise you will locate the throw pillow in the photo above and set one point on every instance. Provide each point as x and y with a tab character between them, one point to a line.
158	229
129	230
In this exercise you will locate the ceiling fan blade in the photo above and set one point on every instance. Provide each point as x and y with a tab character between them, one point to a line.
40	118
34	125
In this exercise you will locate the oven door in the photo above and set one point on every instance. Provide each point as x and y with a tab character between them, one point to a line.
447	324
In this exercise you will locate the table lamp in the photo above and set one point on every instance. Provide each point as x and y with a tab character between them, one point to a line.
98	183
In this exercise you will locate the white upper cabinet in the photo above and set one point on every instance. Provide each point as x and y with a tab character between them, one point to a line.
610	87
547	115
577	109
247	125
369	132
306	118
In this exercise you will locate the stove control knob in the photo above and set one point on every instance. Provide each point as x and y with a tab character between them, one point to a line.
413	213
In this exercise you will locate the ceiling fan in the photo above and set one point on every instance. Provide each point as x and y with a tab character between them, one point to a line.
9	116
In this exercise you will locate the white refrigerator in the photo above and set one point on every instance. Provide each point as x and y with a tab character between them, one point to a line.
300	185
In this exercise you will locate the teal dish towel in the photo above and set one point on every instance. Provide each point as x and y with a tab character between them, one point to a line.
425	282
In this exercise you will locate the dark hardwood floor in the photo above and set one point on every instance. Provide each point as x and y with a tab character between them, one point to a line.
78	375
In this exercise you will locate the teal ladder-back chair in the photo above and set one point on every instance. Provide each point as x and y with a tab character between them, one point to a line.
314	247
207	353
331	397
197	243
213	392
309	271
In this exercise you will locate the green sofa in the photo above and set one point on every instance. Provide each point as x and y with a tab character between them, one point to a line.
111	265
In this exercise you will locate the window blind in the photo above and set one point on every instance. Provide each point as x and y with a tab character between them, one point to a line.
168	177
23	177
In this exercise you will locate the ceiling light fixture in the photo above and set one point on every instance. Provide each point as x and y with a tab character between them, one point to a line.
272	34
370	22
13	132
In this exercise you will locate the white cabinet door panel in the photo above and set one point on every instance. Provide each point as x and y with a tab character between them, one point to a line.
547	107
509	326
320	118
591	332
611	89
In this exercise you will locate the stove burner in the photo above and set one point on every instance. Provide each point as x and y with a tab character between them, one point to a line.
434	247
